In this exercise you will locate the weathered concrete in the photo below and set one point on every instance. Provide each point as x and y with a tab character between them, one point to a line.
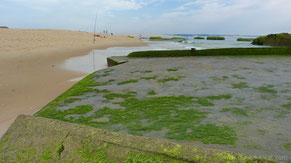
36	139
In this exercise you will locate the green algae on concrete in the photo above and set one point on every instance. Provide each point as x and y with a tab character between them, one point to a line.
40	141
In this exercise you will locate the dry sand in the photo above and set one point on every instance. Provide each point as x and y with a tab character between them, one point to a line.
30	73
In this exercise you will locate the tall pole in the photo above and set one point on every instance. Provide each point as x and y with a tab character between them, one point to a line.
95	29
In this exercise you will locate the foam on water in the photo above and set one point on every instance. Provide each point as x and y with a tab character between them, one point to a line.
96	59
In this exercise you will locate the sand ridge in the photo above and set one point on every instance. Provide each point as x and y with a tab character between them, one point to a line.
30	73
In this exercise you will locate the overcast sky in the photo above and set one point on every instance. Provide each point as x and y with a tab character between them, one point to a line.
151	16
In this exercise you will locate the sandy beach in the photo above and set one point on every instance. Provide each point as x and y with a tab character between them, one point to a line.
30	61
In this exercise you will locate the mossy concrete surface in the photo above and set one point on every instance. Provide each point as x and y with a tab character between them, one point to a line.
37	139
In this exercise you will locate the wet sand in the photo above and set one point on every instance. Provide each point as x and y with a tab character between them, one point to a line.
31	74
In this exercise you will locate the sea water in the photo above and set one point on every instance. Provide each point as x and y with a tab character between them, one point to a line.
97	59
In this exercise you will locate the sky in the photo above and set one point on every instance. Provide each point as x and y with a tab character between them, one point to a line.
244	17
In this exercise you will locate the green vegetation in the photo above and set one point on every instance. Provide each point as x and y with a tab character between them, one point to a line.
84	86
287	146
169	79
274	51
220	97
152	92
215	38
61	115
281	39
128	81
236	111
266	89
130	36
154	114
245	39
167	39
112	96
178	38
159	38
149	78
240	85
173	69
199	38
140	158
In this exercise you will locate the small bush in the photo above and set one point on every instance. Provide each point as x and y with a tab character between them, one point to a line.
130	36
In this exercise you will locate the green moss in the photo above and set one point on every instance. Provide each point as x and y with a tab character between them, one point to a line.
149	78
159	38
261	132
215	38
116	95
238	77
204	102
287	146
152	92
169	79
178	38
278	51
199	38
134	157
245	39
173	69
93	154
84	86
61	115
254	146
240	85
220	97
236	111
287	106
128	81
266	89
282	39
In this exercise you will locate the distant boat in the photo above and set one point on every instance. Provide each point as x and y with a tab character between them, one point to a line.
3	27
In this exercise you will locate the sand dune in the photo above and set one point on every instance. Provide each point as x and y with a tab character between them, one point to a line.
29	66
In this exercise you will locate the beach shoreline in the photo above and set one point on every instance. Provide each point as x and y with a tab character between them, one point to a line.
31	72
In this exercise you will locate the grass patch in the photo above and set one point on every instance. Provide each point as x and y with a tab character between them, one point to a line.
128	81
240	85
261	132
266	89
215	38
130	36
235	111
152	92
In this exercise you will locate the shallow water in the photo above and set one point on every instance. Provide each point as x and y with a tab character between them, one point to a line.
96	59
